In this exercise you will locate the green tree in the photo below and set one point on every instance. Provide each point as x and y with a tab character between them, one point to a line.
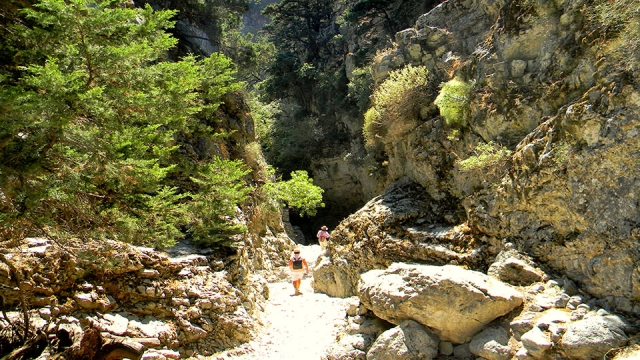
213	210
298	26
88	123
299	192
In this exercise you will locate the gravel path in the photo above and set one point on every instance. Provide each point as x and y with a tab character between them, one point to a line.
296	327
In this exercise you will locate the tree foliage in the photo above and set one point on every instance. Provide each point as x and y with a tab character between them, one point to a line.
299	26
89	119
299	192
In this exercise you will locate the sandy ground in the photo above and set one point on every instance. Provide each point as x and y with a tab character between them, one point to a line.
295	327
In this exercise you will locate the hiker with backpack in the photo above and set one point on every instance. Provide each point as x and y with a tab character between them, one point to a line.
323	236
296	264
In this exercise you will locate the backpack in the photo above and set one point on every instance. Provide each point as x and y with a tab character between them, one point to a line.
297	264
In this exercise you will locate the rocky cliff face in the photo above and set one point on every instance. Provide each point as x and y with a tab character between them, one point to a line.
568	109
563	204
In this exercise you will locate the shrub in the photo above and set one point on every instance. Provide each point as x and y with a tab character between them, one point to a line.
487	154
453	102
398	98
371	125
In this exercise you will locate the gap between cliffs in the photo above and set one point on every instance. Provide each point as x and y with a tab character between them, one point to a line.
294	327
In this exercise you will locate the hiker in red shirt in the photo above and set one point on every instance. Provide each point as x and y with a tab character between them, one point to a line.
323	236
296	264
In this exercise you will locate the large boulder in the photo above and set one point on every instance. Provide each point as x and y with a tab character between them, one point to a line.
593	337
455	302
336	278
409	340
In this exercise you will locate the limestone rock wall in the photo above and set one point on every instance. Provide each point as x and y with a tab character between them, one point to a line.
569	111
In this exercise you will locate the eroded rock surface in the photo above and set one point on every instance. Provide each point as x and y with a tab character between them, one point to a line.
403	225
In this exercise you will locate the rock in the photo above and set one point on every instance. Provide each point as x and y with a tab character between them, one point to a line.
491	344
45	313
510	269
350	347
86	300
522	324
367	325
117	324
518	67
409	340
335	279
536	342
153	355
169	354
338	353
592	338
151	328
445	348
462	352
354	306
455	302
561	301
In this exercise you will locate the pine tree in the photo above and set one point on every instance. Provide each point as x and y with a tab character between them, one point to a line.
88	124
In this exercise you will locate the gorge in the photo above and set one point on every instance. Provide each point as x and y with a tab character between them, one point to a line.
480	161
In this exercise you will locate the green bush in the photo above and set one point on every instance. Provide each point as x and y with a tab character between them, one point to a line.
487	154
453	102
371	126
398	98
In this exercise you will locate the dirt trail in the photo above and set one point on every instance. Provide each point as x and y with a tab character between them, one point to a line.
295	327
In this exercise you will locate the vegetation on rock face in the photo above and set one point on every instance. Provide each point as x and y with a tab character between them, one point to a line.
620	19
487	154
397	99
453	102
88	125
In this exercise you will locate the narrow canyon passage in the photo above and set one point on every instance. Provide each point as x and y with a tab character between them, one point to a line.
295	327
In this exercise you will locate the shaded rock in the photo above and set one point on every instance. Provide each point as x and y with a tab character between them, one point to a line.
409	340
455	302
463	352
367	325
491	344
592	337
445	348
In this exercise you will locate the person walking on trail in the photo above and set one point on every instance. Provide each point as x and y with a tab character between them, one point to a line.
323	236
296	264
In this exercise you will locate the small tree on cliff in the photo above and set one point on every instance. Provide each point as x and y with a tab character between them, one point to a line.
88	121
